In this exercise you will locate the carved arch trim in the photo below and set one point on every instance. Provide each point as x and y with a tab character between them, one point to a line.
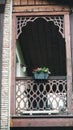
57	20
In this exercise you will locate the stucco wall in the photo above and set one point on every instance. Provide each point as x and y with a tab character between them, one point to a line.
5	42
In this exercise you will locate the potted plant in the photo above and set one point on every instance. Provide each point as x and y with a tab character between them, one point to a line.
41	73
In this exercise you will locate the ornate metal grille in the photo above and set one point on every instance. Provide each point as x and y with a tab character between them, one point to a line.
45	97
57	20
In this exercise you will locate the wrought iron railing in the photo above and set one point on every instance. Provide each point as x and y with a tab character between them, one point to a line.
41	96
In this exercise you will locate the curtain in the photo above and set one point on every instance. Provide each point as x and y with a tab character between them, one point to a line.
42	45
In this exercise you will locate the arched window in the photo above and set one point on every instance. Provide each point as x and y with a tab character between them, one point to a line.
42	44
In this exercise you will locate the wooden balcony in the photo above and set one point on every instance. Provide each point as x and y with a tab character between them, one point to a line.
41	102
41	96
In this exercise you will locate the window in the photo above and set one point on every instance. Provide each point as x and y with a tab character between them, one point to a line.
42	41
42	44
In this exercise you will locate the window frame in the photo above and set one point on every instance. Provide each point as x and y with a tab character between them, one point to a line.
68	55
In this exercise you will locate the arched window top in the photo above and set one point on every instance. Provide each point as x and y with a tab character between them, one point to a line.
57	20
43	45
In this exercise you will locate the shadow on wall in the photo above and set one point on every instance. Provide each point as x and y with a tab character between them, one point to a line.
43	128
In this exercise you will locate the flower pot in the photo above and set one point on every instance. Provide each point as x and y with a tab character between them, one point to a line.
41	75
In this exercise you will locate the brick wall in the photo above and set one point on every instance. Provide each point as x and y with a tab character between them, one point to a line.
1	40
5	66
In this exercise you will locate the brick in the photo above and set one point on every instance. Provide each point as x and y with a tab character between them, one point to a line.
5	32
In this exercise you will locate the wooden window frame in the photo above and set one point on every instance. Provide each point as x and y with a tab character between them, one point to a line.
21	122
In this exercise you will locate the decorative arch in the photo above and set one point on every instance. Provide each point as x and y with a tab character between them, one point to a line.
37	40
57	20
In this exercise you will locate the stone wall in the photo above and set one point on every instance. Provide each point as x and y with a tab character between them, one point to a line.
5	43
